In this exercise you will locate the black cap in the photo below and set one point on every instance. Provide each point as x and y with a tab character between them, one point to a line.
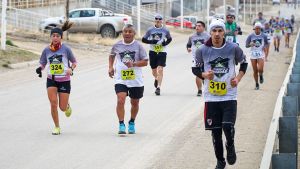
56	30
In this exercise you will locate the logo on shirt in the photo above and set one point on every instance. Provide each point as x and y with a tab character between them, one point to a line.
55	59
220	66
127	56
198	42
156	36
257	42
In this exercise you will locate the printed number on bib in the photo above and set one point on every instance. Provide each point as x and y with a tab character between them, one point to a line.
229	38
277	31
217	88
128	74
158	48
56	69
256	53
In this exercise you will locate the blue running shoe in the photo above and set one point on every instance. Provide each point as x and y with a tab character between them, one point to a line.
122	129
131	128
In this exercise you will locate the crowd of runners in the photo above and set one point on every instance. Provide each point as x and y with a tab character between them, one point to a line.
214	56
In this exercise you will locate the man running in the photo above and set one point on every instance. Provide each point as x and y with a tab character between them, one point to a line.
288	28
130	58
258	43
277	35
260	19
194	42
158	37
231	29
269	32
218	59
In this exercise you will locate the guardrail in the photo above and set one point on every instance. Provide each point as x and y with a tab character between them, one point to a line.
285	127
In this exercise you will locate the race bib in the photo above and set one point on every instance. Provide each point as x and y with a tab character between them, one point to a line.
277	31
57	69
229	38
158	48
128	74
257	53
217	88
289	30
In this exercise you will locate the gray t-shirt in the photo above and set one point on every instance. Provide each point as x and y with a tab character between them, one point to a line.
56	63
222	61
260	41
195	41
131	77
160	34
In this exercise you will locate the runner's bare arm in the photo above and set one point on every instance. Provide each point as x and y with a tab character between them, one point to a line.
110	65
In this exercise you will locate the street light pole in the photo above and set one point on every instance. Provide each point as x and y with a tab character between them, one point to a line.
3	25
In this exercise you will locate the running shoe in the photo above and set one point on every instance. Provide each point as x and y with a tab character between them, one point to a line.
261	79
220	164
122	129
199	93
155	83
157	91
131	128
256	86
231	155
68	112
56	131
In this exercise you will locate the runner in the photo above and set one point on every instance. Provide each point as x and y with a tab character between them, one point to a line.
231	29
218	59
130	57
195	41
258	43
158	37
277	27
260	19
269	32
288	28
56	60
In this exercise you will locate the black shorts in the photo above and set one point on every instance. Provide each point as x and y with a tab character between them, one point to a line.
157	59
197	71
132	92
62	87
218	113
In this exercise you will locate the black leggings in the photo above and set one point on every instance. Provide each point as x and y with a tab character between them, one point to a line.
229	131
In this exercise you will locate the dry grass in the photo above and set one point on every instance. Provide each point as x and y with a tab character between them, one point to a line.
14	55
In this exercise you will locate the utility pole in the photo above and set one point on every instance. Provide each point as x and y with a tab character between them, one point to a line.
245	12
207	12
181	13
165	10
3	25
237	10
139	18
67	16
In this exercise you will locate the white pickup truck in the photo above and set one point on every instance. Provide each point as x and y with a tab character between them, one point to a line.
90	20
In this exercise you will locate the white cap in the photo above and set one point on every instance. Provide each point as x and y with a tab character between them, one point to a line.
257	24
158	16
216	23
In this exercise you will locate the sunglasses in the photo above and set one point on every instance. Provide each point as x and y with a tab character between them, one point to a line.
158	19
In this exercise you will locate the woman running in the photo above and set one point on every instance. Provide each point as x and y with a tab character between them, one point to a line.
56	59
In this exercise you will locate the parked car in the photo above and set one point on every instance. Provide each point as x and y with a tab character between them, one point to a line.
177	23
192	19
90	20
276	2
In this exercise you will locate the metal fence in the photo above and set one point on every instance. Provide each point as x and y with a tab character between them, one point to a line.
22	4
23	19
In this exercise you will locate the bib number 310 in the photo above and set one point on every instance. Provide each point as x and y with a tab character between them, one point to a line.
217	88
128	74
